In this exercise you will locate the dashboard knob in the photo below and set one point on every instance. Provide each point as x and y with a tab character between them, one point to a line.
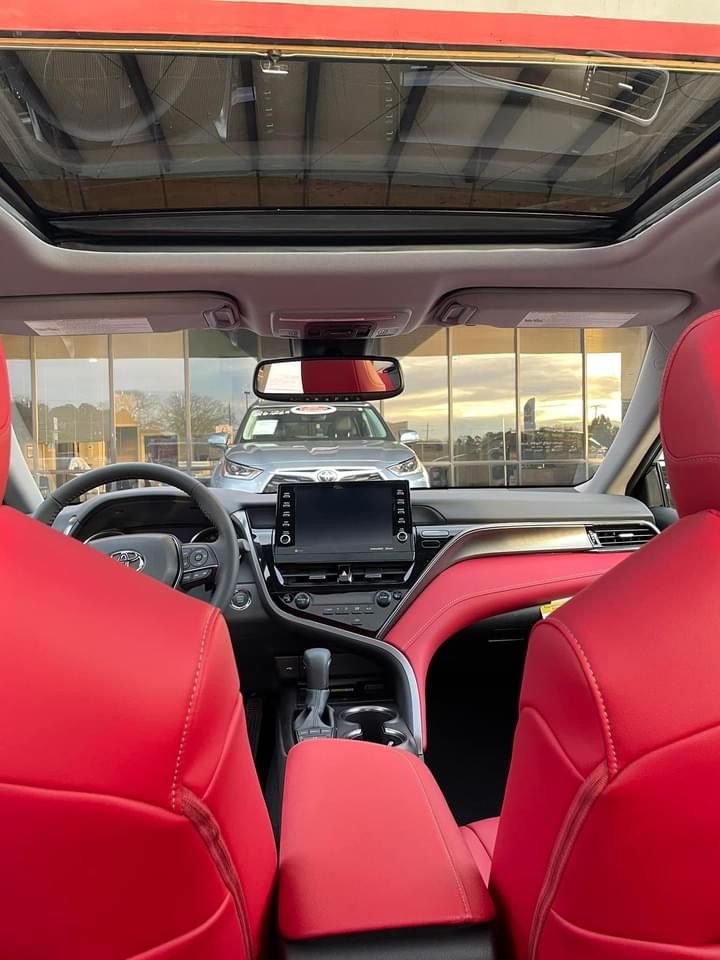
303	601
402	536
285	539
383	598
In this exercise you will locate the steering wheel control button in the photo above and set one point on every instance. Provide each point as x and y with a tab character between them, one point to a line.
383	598
193	576
199	558
241	599
303	601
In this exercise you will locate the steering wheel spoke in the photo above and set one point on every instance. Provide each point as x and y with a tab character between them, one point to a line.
199	564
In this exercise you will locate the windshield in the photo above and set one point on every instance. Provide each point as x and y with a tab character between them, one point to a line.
312	422
85	131
482	406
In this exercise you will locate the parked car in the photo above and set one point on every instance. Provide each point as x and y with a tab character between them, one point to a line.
300	443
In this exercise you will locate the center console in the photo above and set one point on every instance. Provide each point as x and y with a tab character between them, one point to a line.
342	553
336	564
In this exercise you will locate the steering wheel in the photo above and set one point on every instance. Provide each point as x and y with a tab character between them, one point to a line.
161	555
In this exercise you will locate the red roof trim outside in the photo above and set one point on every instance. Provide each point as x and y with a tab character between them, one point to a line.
290	21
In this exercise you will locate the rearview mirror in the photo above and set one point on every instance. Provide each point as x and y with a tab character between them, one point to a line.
332	379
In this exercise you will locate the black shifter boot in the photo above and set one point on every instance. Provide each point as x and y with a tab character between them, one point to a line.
316	718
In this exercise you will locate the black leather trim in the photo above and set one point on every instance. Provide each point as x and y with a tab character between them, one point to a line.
475	942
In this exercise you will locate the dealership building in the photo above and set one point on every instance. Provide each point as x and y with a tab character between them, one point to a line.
490	406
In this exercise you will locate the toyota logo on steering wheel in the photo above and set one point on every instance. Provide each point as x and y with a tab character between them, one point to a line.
129	558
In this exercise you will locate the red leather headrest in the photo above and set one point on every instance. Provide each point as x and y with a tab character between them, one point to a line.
4	423
690	417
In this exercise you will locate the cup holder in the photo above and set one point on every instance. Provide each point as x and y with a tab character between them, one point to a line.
389	738
372	720
381	714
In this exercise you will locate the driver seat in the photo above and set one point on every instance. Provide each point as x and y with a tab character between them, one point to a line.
133	825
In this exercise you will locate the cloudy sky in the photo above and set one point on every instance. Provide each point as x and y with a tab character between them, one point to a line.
484	391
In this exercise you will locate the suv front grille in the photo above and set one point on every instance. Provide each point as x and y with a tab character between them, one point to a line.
313	476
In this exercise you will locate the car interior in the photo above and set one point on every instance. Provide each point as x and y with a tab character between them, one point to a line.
470	718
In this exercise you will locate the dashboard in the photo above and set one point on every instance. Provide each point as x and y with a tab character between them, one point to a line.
346	559
347	566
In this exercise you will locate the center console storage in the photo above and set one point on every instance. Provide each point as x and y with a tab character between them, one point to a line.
312	713
372	863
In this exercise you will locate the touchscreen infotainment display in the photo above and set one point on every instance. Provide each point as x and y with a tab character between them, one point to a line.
344	522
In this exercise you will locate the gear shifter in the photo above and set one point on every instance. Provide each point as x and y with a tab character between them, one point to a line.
316	719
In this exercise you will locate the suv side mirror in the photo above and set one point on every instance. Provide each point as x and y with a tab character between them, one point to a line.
409	436
217	442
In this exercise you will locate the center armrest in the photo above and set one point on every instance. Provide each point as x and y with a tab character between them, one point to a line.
368	843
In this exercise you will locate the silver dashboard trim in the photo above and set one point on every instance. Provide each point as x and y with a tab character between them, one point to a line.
506	539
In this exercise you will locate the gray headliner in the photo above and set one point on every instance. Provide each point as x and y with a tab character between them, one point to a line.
671	254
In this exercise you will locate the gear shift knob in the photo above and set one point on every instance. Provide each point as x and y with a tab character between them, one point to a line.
317	668
316	719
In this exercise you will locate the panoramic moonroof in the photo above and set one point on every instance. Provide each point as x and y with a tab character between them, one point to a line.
96	132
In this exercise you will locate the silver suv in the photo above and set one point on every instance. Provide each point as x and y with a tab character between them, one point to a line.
314	442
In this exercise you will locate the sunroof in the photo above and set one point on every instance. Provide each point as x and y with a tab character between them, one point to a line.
85	132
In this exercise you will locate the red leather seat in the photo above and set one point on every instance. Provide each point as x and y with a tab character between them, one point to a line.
609	837
131	820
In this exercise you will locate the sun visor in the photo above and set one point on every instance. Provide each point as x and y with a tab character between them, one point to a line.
541	308
117	313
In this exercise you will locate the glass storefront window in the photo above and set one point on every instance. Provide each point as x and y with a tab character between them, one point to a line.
612	363
550	385
482	406
423	406
220	378
484	414
72	407
149	398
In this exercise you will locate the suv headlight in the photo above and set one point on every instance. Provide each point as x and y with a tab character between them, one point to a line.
406	466
240	471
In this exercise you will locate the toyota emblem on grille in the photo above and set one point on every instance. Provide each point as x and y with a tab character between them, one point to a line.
129	558
327	476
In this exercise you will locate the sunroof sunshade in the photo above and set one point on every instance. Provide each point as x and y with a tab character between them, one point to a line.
85	132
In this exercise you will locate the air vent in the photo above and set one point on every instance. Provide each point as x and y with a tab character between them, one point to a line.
379	574
620	536
318	575
309	576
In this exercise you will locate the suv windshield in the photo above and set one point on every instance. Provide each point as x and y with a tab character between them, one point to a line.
483	406
312	421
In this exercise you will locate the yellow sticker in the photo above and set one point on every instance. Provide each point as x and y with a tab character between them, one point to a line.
547	608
